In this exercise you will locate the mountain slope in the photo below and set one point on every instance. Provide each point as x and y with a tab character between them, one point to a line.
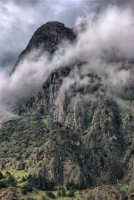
72	134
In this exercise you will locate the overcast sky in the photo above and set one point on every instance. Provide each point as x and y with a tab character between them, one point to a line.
111	34
20	18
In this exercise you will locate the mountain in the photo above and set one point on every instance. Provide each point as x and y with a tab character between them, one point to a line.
71	139
47	37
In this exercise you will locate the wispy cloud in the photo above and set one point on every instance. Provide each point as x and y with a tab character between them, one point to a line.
19	19
105	45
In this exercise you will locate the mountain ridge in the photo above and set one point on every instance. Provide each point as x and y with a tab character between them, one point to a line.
74	138
47	37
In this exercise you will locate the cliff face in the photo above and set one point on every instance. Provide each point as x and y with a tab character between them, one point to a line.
71	134
47	37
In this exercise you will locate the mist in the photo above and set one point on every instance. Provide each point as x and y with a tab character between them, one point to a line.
19	20
104	43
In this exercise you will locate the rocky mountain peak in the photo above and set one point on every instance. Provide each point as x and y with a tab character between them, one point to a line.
47	37
71	134
50	35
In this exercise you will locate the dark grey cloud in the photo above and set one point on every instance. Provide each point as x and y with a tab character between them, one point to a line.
115	38
22	3
20	18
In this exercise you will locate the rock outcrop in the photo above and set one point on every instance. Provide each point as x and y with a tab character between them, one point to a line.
47	38
71	134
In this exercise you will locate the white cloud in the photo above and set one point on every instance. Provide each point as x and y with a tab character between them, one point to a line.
19	19
104	45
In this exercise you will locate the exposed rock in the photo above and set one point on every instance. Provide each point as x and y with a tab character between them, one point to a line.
107	193
47	37
8	194
71	133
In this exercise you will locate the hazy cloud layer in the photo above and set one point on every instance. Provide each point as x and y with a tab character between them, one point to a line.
20	18
106	46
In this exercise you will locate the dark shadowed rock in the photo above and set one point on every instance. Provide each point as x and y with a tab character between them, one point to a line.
48	37
76	136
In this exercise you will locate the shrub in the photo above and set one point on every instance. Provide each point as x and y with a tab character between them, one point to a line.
2	184
71	193
9	179
23	179
1	176
50	195
44	198
26	188
63	192
59	194
30	198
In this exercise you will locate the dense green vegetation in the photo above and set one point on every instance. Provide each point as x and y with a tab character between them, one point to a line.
73	142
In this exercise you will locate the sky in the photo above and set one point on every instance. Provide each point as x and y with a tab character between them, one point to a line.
20	18
110	35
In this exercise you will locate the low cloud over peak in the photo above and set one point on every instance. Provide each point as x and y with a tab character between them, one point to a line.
105	46
19	19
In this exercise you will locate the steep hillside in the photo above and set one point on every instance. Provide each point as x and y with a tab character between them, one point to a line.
71	136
